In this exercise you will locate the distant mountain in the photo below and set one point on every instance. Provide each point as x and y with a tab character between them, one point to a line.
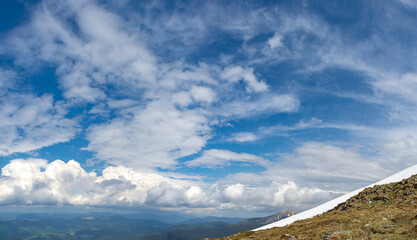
151	215
210	219
214	229
106	227
386	211
121	228
267	220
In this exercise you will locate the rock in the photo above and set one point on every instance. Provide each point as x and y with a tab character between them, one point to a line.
379	198
329	234
289	236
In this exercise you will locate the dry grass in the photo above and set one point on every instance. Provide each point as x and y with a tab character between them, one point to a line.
381	212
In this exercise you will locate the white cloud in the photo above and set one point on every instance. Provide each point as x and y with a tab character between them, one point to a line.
237	73
152	136
404	86
272	196
182	98
122	103
28	123
330	162
244	137
34	181
203	94
234	192
167	108
214	158
37	182
275	41
308	124
196	95
7	80
237	196
401	152
289	194
403	145
266	104
101	52
276	130
321	165
409	3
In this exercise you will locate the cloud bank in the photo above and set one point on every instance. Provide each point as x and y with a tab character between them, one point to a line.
37	182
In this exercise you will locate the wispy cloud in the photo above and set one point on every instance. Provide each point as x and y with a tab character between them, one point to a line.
319	164
214	158
29	122
178	101
285	130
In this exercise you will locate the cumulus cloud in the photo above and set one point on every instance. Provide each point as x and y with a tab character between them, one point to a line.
276	195
234	192
237	196
37	182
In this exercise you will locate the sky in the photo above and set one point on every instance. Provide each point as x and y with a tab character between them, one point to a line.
226	108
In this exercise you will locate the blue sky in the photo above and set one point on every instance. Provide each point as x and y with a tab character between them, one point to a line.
235	108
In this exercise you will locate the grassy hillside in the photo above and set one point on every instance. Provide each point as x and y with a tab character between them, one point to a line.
382	212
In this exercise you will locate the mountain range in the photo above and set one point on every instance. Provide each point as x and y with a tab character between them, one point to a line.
123	228
215	229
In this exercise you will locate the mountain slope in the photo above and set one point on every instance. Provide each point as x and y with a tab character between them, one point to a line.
210	219
333	203
380	212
